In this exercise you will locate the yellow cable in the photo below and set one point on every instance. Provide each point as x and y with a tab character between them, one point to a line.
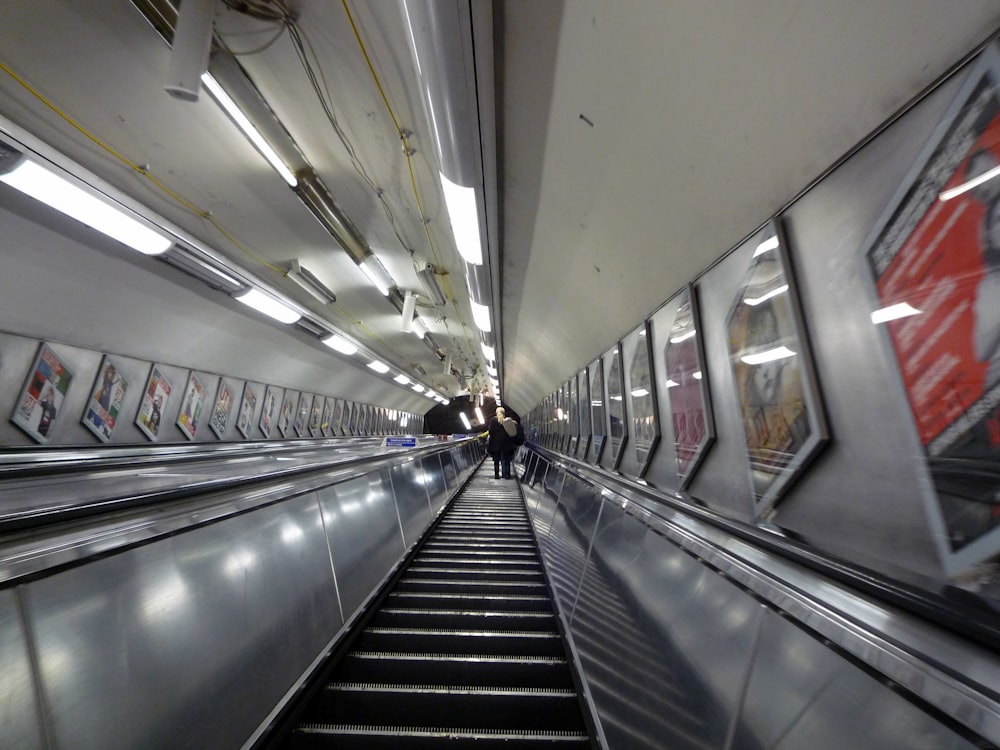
203	214
403	138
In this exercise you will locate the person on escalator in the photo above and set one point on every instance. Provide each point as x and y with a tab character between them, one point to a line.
500	443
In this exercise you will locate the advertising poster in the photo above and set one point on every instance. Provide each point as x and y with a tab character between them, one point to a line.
934	259
285	415
686	386
267	412
192	407
106	399
338	415
316	416
302	414
154	403
222	411
783	422
326	428
38	406
247	408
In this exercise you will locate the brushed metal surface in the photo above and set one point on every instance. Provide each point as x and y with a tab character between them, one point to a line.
19	725
411	501
364	532
801	694
432	475
569	540
188	641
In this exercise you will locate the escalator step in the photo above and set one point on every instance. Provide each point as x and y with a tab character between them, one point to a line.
510	642
400	738
455	669
460	707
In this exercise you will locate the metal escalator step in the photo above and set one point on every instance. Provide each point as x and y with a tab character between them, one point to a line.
464	641
461	707
455	669
459	619
408	738
451	599
457	584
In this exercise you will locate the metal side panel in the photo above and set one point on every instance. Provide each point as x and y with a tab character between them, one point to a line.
365	535
411	501
802	694
132	647
18	710
433	478
569	540
449	469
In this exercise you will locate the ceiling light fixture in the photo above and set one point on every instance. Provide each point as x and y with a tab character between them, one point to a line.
402	379
488	352
409	307
379	367
428	275
243	123
377	273
481	316
308	280
268	305
464	215
84	204
465	420
339	343
419	328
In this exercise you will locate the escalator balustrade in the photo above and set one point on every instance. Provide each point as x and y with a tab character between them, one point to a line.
465	651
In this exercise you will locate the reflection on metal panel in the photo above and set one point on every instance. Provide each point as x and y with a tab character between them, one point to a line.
569	540
647	692
432	475
411	501
365	538
18	715
801	694
131	646
449	469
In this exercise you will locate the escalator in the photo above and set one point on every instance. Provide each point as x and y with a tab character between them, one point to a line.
464	651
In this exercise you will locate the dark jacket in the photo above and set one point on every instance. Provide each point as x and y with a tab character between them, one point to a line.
498	441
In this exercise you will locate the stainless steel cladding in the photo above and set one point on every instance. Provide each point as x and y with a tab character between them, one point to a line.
193	639
689	638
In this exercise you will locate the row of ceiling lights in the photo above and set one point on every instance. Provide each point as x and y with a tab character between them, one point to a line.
434	38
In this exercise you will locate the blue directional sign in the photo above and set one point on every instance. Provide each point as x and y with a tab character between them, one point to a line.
399	441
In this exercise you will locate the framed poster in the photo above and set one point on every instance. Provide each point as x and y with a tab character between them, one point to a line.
933	259
154	402
244	422
598	413
784	425
338	424
106	399
302	414
268	410
326	426
222	411
351	415
316	417
192	407
642	405
42	396
615	384
583	410
285	414
679	348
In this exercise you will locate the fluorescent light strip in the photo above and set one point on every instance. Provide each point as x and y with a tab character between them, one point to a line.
377	274
340	344
60	193
268	305
465	420
481	316
752	301
489	352
419	328
894	312
464	215
251	132
380	367
402	379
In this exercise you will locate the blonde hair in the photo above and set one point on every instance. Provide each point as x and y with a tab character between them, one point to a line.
501	413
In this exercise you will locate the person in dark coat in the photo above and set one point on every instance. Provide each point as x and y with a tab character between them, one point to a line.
500	443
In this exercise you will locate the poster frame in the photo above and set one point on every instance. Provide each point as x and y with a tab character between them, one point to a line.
157	384
93	417
193	387
21	418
